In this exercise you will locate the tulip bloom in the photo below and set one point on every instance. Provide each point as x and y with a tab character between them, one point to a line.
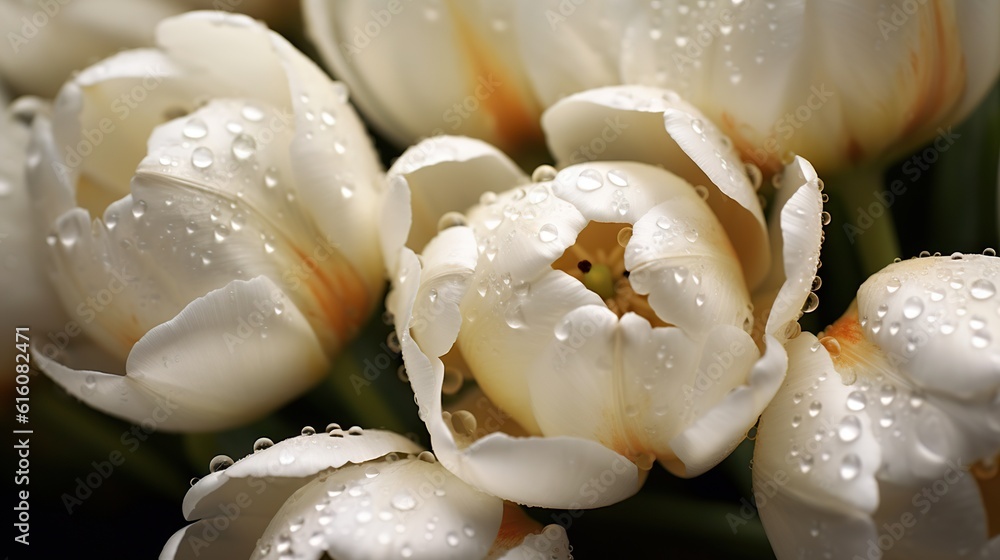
354	494
606	303
865	451
772	75
37	61
235	247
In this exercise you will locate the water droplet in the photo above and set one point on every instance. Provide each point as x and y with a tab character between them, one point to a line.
702	191
453	380
138	208
892	285
202	158
857	401
194	128
451	219
812	302
548	233
913	307
796	420
624	235
403	501
589	180
981	339
982	289
308	431
697	126
262	444
451	538
563	330
887	395
618	178
849	429
220	463
252	113
543	173
814	408
355	431
244	147
850	467
427	457
372	472
805	463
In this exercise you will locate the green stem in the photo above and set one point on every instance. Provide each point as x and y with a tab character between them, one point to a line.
869	225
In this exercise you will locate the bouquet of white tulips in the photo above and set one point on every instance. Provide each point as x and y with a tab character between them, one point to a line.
477	280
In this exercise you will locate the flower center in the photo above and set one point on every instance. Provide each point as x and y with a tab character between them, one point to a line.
597	260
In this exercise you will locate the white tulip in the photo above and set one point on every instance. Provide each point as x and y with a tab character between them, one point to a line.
234	249
528	292
840	83
36	59
355	494
865	451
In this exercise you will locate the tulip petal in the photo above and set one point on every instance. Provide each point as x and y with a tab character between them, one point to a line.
245	497
290	462
796	235
938	315
800	530
814	435
717	432
370	502
547	472
655	126
201	370
507	330
680	256
475	87
946	521
29	298
552	543
449	262
574	390
450	173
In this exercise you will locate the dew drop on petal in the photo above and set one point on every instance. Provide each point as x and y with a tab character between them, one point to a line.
262	444
403	501
589	180
548	233
913	307
244	147
849	429
220	463
194	128
202	158
138	208
857	401
982	289
850	467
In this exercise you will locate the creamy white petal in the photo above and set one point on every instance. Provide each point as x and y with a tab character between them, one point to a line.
508	328
548	472
716	432
475	87
796	235
356	511
938	315
680	256
211	367
655	126
29	298
449	262
236	504
814	435
552	543
941	518
449	174
799	530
